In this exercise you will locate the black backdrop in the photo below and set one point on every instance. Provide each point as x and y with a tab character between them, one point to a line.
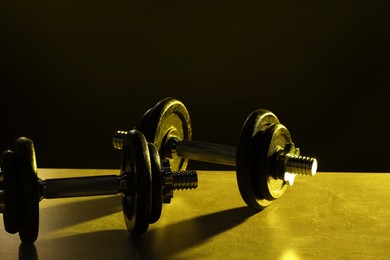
72	72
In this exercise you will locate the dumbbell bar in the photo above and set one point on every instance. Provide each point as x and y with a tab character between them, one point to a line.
72	187
143	183
266	158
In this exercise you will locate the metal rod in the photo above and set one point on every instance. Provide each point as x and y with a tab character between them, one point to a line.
193	150
205	152
81	186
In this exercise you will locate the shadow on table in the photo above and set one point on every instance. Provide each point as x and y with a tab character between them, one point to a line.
87	210
155	244
173	239
28	251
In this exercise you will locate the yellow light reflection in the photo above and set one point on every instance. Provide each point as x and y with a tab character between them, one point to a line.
289	254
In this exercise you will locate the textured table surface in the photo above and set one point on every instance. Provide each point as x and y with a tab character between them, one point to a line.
329	216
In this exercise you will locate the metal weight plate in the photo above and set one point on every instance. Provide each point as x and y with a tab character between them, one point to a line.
141	124
169	118
157	191
258	143
29	190
137	183
11	215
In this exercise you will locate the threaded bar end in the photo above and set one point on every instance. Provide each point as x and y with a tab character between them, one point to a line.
186	180
301	165
118	138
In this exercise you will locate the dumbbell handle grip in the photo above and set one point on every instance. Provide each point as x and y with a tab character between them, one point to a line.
80	186
205	152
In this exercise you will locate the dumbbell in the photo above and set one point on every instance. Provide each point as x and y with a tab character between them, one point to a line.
266	159
144	183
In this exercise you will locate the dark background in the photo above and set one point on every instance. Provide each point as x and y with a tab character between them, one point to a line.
72	72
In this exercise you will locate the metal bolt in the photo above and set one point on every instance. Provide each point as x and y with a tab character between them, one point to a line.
183	180
290	163
301	165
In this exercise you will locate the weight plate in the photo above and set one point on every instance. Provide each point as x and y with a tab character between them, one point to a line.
157	193
137	182
141	124
11	215
169	118
29	190
256	147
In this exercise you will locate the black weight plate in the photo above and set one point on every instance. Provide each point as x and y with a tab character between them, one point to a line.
11	215
137	185
169	118
251	164
29	190
157	192
141	124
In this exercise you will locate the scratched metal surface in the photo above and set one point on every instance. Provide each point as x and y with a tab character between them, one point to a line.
329	216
